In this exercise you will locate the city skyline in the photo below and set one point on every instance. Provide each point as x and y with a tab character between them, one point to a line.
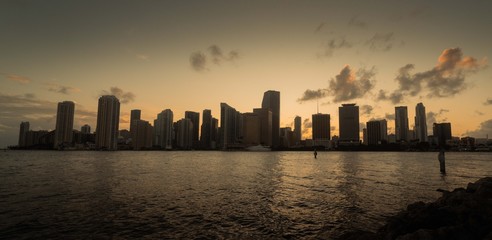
170	55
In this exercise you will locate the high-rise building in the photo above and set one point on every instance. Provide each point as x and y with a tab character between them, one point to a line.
163	129
321	129
206	136
230	124
64	124
297	130
108	120
349	123
185	133
287	137
384	130
251	129
265	125
135	114
271	101
374	132
401	124
24	129
86	129
195	120
142	134
442	131
420	123
215	133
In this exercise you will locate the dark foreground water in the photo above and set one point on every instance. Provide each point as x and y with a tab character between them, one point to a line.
231	195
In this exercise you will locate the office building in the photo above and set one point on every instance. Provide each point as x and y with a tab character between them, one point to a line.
321	129
297	130
401	124
163	130
142	134
442	132
265	125
86	129
271	101
24	129
195	120
206	129
185	133
230	125
420	123
64	124
349	123
251	129
384	130
108	120
135	114
375	131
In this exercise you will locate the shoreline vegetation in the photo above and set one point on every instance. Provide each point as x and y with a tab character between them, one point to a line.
459	214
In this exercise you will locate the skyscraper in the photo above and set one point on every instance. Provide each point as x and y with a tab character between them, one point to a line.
374	132
86	129
271	101
442	131
142	134
265	125
297	130
229	125
401	123
349	122
215	133
384	130
64	124
134	115
184	136
24	129
206	136
108	120
321	129
163	129
251	129
195	120
420	123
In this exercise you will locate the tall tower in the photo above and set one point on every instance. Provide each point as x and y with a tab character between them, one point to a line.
401	123
206	136
195	120
64	124
265	125
374	132
134	115
420	123
442	131
108	120
297	130
321	129
24	129
142	134
184	133
230	124
163	129
349	122
271	101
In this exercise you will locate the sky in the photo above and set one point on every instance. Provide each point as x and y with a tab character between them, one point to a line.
193	55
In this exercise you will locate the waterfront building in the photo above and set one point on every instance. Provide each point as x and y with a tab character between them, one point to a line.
163	130
24	129
108	119
297	130
142	134
230	125
195	120
206	129
251	129
271	101
185	133
401	124
420	123
442	132
86	129
64	124
321	129
349	123
265	125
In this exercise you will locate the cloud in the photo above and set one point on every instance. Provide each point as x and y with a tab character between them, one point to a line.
333	44
356	22
347	85
199	60
312	95
485	129
124	97
320	26
381	42
488	101
366	110
446	79
390	116
479	113
53	87
16	78
306	126
435	117
142	57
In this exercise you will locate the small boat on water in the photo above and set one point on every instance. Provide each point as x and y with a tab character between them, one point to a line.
258	148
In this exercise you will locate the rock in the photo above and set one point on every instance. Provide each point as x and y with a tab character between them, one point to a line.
460	214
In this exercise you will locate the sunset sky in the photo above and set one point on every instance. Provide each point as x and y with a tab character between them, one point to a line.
192	55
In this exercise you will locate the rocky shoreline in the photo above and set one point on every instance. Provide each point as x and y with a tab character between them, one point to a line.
460	214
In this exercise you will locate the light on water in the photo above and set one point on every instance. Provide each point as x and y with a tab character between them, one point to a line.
49	194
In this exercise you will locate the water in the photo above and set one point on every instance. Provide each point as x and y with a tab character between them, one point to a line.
217	195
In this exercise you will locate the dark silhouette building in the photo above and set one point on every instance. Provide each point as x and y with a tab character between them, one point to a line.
195	120
64	124
442	131
24	129
108	120
271	101
321	129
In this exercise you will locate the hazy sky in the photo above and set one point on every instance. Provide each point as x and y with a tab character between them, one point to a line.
192	55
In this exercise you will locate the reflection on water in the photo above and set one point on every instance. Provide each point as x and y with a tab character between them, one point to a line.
235	195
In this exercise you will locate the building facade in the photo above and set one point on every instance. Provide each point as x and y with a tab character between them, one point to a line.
64	124
108	120
420	123
24	129
195	120
271	101
401	124
163	130
297	130
349	123
321	129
